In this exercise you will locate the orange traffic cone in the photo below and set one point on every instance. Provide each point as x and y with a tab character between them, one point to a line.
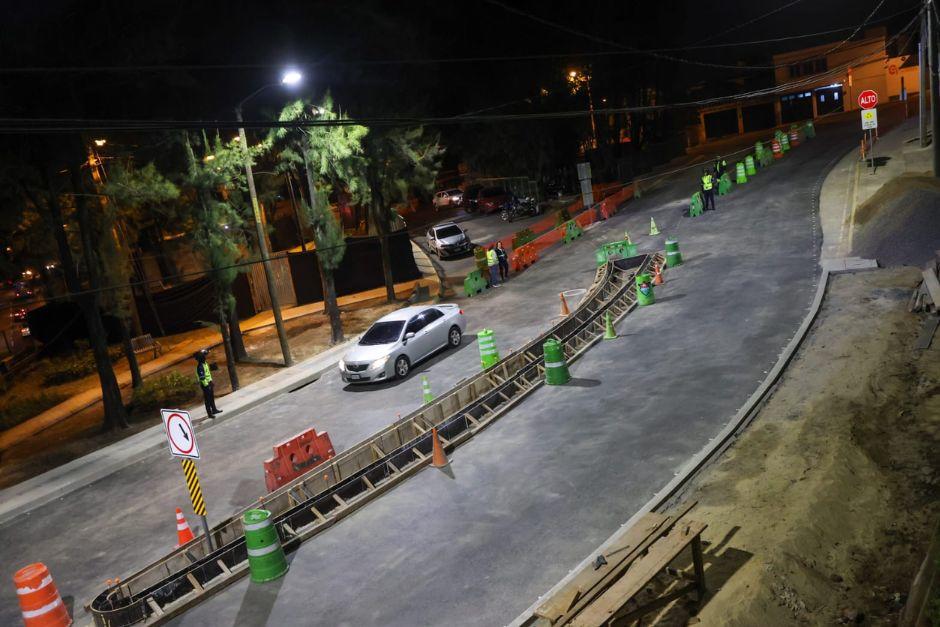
564	305
657	275
40	602
183	533
438	459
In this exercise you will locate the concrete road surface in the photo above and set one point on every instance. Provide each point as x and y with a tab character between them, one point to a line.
532	494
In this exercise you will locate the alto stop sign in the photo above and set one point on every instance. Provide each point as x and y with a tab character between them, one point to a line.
868	99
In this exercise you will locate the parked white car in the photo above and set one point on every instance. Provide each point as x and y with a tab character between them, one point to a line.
396	342
447	197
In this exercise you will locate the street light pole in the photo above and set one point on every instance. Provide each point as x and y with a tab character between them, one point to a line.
262	242
922	61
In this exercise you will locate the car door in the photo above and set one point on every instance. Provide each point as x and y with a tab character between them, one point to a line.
435	328
415	348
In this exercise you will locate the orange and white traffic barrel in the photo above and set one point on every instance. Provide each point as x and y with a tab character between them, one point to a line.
39	599
775	146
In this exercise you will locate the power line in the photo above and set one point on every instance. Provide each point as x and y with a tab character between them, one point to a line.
666	57
749	22
116	69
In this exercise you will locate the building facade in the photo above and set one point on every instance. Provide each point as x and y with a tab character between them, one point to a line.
817	81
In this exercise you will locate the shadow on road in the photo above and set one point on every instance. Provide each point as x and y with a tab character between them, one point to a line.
259	600
579	382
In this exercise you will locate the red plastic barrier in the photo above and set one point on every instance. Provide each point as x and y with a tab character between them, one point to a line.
523	257
296	456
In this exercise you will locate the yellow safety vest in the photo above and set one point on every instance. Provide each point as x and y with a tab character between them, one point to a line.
491	259
707	182
203	375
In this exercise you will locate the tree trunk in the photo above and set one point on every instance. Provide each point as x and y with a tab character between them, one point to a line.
148	295
229	353
114	413
379	216
238	341
330	306
136	379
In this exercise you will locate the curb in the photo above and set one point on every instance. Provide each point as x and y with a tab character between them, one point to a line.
78	473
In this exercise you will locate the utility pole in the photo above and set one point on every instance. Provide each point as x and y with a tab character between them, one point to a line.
934	88
263	243
922	64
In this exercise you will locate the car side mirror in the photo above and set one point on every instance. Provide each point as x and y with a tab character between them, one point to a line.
408	336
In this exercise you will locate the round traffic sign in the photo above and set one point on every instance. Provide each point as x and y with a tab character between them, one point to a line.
181	435
868	99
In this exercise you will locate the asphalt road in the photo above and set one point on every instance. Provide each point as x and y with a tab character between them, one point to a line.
534	493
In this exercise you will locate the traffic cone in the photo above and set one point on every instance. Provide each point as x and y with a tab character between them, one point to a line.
426	390
183	533
438	459
39	598
609	333
657	275
653	229
564	305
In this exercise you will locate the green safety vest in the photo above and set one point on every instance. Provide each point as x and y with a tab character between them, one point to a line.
707	182
203	375
491	259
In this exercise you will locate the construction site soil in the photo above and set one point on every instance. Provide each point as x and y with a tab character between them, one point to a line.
900	223
822	510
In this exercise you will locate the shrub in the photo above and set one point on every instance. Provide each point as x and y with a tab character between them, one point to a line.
167	390
65	368
562	216
16	410
522	238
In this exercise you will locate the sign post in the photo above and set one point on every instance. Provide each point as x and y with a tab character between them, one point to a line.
868	100
182	440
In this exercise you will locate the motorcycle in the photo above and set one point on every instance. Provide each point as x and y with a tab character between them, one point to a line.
519	207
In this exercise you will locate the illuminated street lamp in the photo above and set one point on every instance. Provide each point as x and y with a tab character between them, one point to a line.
289	78
578	80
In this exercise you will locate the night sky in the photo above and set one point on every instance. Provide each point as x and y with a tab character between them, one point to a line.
345	46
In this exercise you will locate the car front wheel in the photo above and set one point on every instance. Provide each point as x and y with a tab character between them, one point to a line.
402	367
453	337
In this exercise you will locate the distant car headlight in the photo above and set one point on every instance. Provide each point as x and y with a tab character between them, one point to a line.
379	363
342	365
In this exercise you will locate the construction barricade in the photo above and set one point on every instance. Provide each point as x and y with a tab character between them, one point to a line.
474	283
695	204
523	257
296	456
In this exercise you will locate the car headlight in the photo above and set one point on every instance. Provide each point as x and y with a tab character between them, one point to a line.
379	363
342	365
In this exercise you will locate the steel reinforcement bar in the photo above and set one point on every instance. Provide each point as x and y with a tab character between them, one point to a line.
341	485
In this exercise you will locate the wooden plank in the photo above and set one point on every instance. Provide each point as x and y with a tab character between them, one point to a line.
316	512
157	610
196	585
927	332
932	285
584	582
222	566
660	554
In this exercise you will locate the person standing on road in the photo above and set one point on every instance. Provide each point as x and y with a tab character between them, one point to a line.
204	376
492	261
708	189
720	166
503	260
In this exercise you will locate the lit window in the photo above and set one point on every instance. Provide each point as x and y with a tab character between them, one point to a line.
835	95
808	94
822	97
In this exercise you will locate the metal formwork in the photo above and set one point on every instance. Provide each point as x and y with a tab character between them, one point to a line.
338	487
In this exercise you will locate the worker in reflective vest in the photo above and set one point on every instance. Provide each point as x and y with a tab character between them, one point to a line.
204	376
708	189
720	166
492	261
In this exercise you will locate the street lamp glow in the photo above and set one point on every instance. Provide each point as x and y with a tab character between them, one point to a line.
572	73
291	77
100	142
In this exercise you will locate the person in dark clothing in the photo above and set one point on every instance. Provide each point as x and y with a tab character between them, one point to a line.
708	189
720	167
503	260
204	376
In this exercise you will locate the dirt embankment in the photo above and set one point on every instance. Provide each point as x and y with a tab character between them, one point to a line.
821	512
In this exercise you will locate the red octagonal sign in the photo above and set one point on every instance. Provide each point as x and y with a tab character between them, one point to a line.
868	99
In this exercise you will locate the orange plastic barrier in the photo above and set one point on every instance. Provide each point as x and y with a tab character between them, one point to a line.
296	456
523	257
40	602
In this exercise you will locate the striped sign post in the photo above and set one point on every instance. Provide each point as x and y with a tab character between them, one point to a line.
195	495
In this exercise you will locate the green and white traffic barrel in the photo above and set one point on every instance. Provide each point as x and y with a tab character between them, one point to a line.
644	289
673	256
556	368
266	560
487	343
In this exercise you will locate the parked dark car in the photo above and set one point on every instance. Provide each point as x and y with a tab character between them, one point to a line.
470	195
493	199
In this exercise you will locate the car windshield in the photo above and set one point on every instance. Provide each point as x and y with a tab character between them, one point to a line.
448	231
382	333
455	192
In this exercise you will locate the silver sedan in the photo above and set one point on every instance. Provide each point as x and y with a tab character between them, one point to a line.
396	342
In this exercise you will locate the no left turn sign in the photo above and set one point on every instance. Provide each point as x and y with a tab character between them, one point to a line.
179	433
